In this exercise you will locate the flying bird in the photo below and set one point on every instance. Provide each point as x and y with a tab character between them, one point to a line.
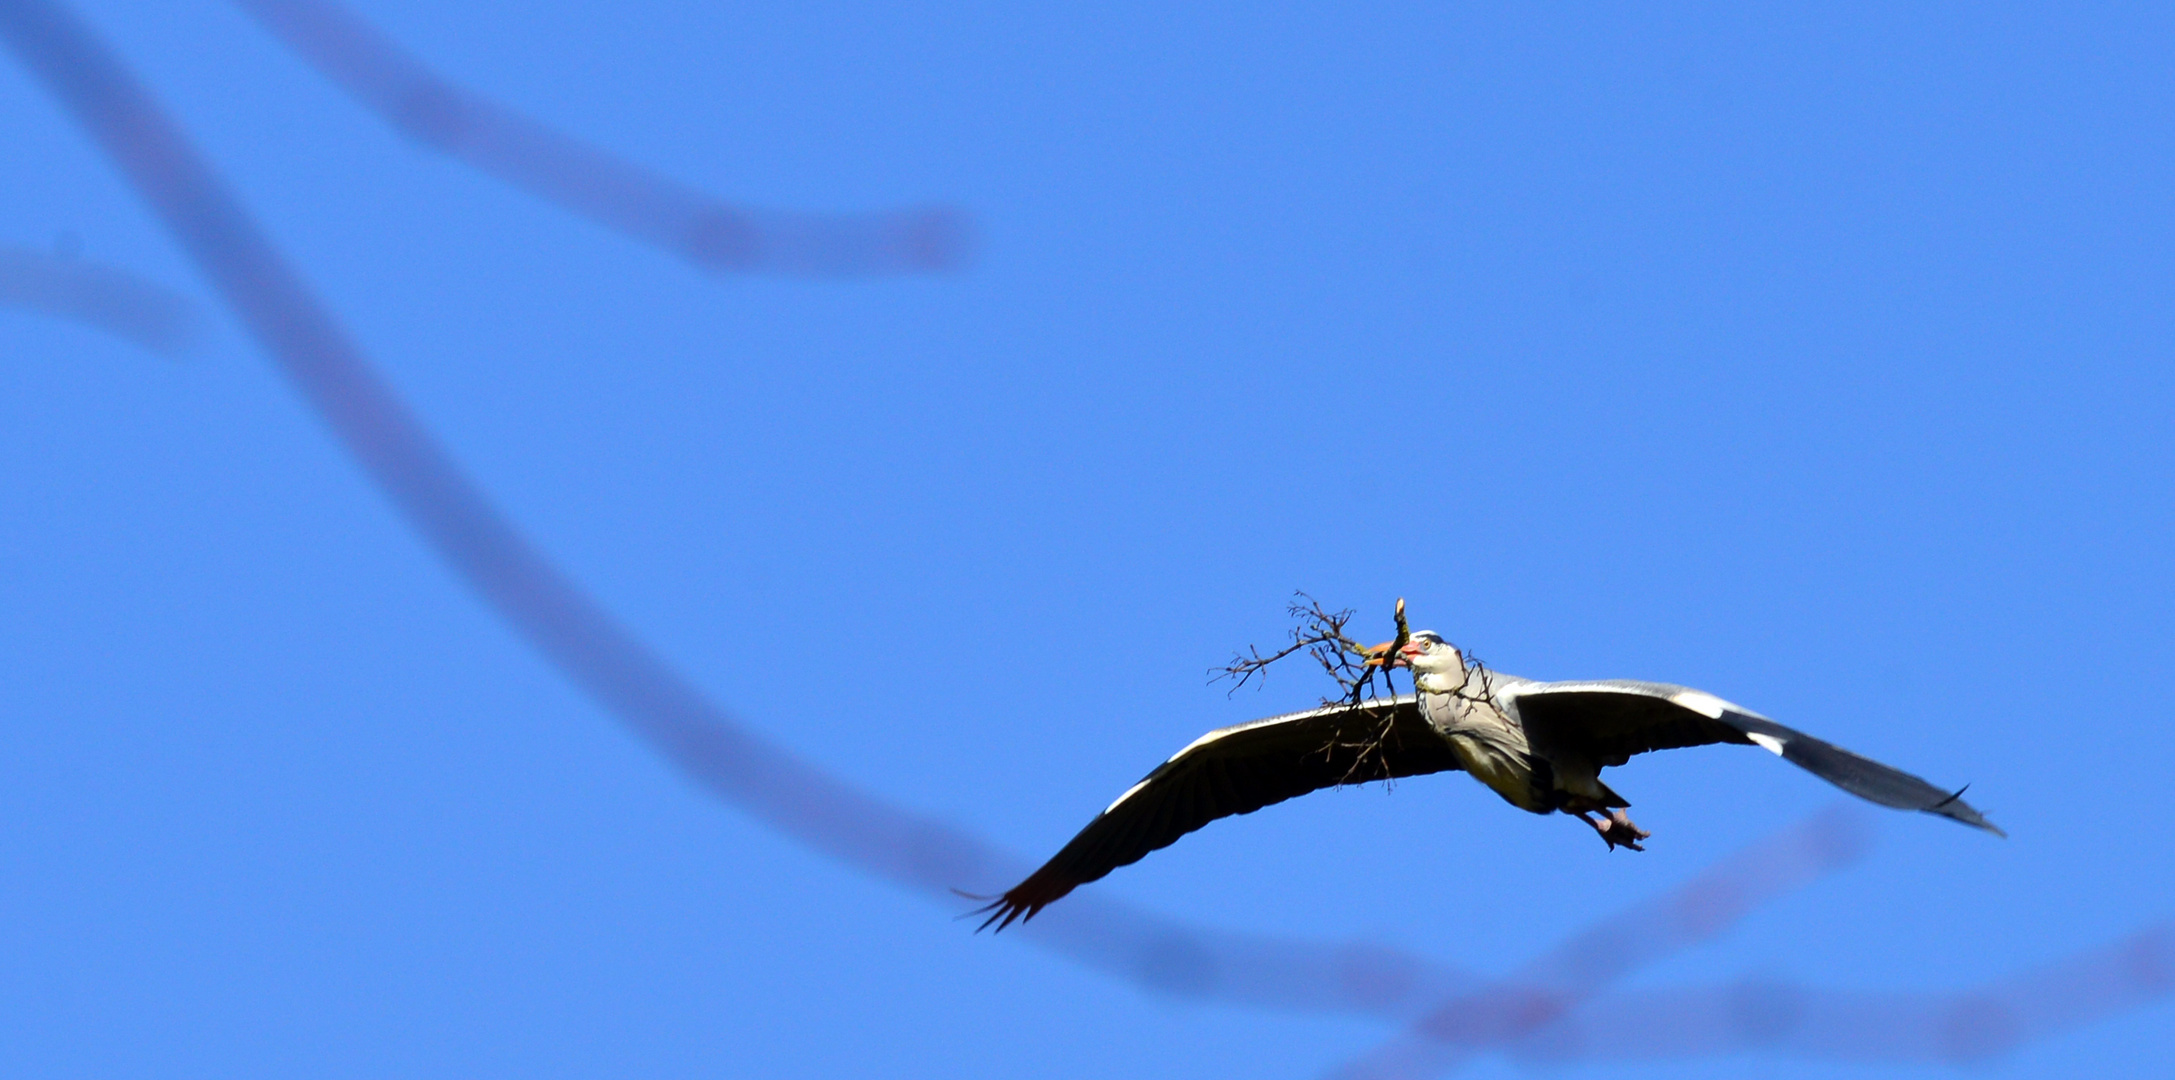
1540	745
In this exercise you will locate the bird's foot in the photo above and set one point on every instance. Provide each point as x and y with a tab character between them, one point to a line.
1617	830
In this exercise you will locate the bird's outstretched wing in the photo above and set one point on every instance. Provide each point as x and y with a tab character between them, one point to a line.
1607	721
1235	770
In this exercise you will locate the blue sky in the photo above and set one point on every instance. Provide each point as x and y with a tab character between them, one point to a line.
1813	358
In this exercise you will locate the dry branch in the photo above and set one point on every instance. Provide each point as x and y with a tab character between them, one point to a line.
1320	633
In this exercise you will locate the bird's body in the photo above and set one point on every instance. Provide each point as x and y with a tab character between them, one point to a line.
1491	746
1539	745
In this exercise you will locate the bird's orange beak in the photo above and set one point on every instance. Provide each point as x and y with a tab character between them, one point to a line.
1380	656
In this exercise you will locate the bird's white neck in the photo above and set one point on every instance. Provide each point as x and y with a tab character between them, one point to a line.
1440	682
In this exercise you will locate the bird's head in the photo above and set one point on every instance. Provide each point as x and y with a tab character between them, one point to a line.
1436	664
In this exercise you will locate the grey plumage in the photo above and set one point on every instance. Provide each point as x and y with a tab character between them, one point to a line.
1541	745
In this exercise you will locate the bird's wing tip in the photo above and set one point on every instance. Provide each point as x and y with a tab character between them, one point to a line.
1002	910
1956	809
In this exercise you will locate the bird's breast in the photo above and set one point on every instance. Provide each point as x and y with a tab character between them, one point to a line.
1490	745
1455	715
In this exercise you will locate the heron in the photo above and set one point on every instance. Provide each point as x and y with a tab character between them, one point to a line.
1539	745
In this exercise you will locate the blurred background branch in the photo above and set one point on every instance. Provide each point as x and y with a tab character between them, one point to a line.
103	297
709	232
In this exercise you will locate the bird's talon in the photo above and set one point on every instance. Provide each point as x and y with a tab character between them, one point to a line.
1617	831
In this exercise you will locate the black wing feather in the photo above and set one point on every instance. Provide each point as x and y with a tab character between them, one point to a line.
1607	725
1235	771
1862	776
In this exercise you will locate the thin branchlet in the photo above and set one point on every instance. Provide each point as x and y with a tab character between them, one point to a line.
1320	633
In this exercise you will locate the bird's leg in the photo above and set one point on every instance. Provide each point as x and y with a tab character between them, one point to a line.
1616	830
1621	831
1601	827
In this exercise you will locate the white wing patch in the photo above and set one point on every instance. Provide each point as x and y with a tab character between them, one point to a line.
1766	742
1224	733
1189	748
1209	738
1129	792
1703	703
